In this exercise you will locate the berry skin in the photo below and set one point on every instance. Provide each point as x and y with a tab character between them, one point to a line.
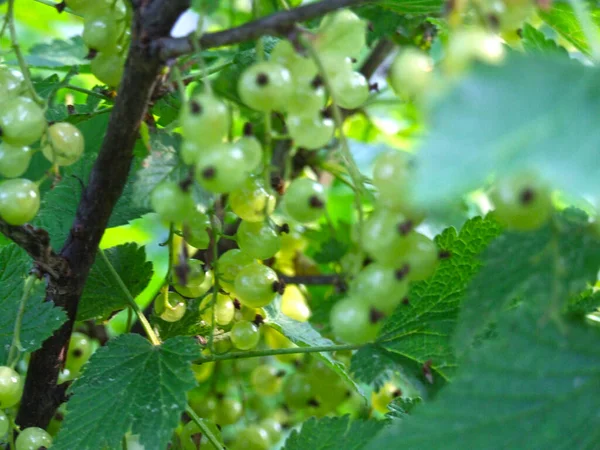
522	202
196	230
108	68
421	257
266	86
11	83
19	201
204	120
64	145
170	202
194	282
308	98
251	201
411	73
351	89
342	33
229	265
252	437
256	285
354	321
100	33
80	351
14	161
171	311
22	121
258	239
253	152
245	335
228	412
384	237
305	200
266	380
392	178
382	398
222	168
297	391
4	424
11	387
273	429
190	151
383	288
310	131
473	44
33	438
300	67
224	310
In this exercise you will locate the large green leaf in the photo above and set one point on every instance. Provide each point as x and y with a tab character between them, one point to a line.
419	331
534	387
333	433
40	319
531	112
535	43
412	6
562	18
547	266
129	385
102	294
58	54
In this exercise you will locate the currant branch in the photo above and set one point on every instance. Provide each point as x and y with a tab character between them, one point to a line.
278	24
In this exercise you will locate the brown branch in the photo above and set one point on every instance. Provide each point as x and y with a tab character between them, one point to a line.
326	279
278	24
106	182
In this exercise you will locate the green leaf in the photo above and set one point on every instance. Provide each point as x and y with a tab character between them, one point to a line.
534	387
546	266
167	109
535	43
374	365
583	304
561	18
205	6
502	120
58	54
304	335
102	294
412	6
40	319
129	385
333	433
419	330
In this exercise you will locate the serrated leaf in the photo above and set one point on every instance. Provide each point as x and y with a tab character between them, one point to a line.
533	387
333	433
509	123
58	54
535	43
552	263
401	407
374	365
419	331
129	385
40	318
102	294
304	335
561	17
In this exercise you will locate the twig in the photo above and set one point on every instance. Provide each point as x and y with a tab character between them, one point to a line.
278	24
328	279
205	430
15	346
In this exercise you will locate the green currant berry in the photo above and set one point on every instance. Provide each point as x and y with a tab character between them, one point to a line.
266	380
171	310
4	424
421	258
342	33
273	429
252	437
204	120
300	67
22	121
310	131
64	145
108	68
33	438
196	230
204	405
171	202
224	309
265	86
392	178
252	202
350	90
190	152
384	396
253	152
80	351
229	265
308	98
19	201
11	83
381	287
194	279
245	335
100	32
256	285
14	161
473	44
228	412
11	387
297	391
354	321
305	200
411	73
258	239
384	236
222	168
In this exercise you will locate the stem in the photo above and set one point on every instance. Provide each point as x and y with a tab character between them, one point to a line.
139	313
215	269
15	346
353	170
10	14
205	430
198	51
275	351
589	28
87	91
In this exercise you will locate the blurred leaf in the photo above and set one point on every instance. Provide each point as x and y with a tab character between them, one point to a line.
419	331
535	43
508	123
40	318
129	385
102	294
534	387
544	267
167	109
583	304
205	6
561	17
59	54
332	433
400	408
412	6
374	365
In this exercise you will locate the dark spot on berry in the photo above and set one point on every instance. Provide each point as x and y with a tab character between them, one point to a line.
315	202
220	396
402	272
317	82
326	113
248	129
42	448
258	320
279	287
280	373
405	227
527	196
1	132
405	301
91	54
209	173
71	109
285	228
277	184
285	425
368	260
186	184
60	7
353	60
237	304
340	286
77	353
313	402
195	107
375	315
374	87
519	32
262	79
397	393
444	254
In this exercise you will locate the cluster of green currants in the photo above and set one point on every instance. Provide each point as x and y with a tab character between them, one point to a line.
291	82
22	123
106	33
79	352
254	400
